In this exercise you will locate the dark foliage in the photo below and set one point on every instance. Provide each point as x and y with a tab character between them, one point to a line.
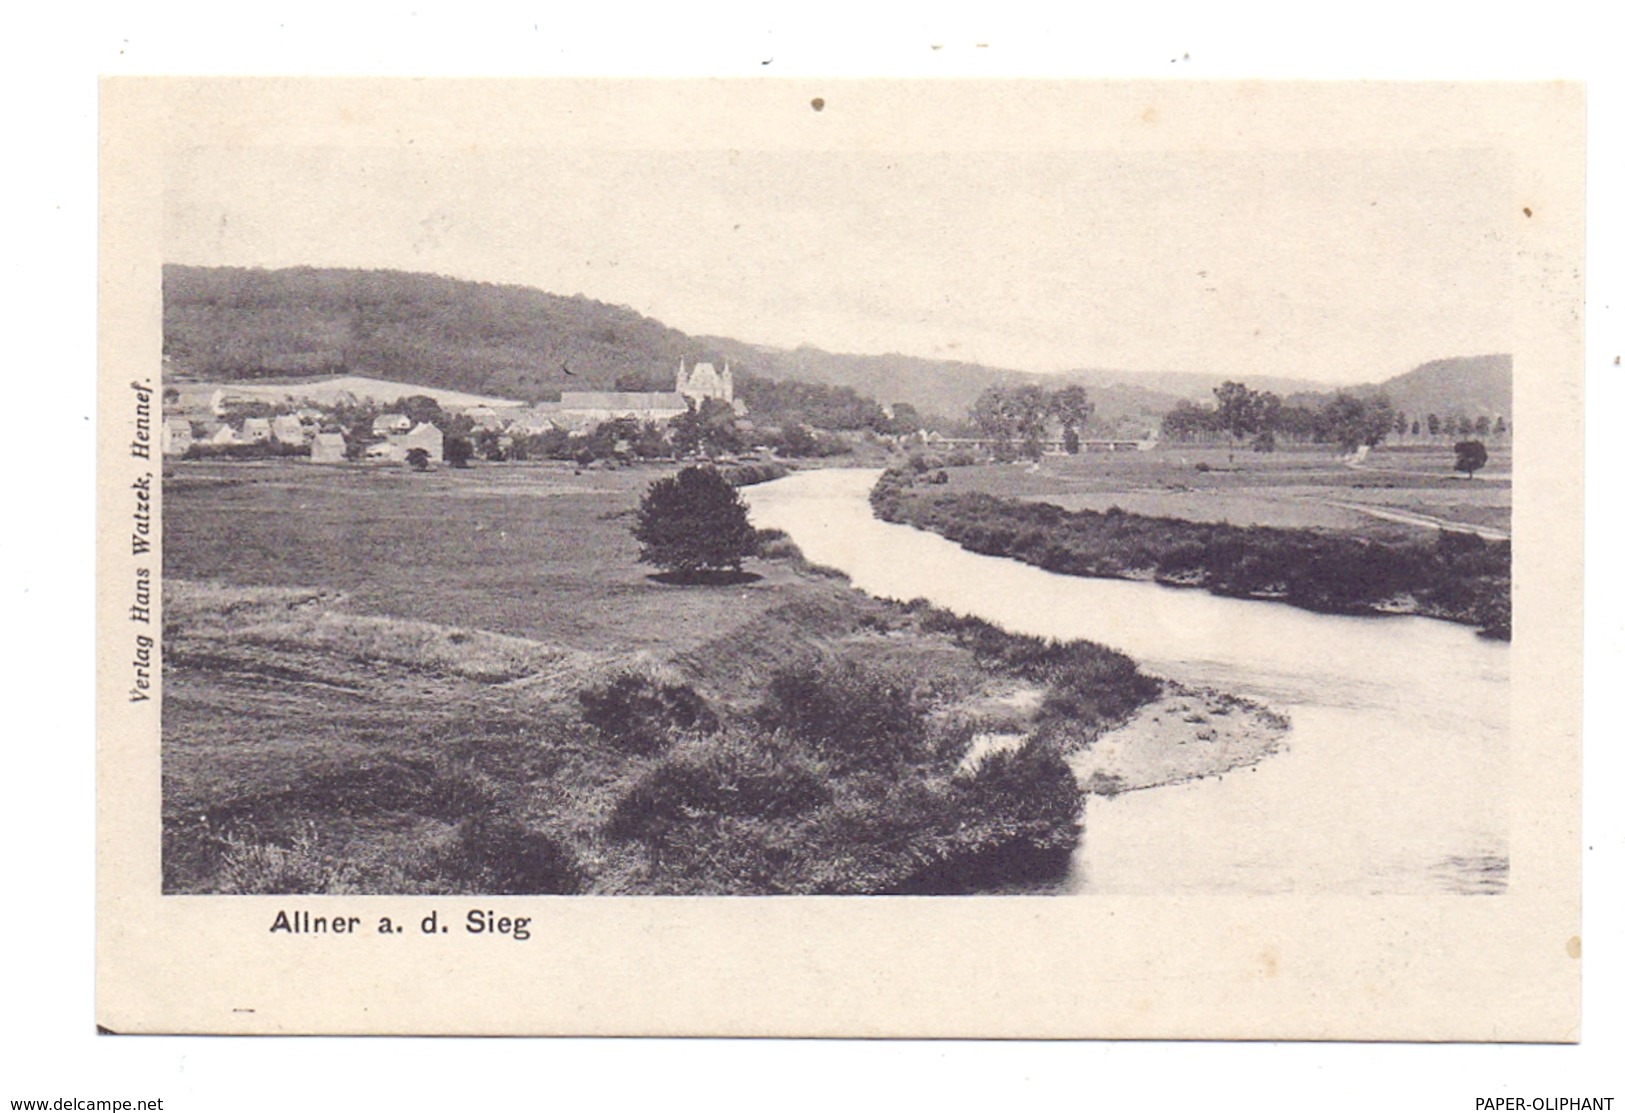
1447	577
746	475
502	855
260	450
1471	456
643	716
853	715
729	776
694	522
459	451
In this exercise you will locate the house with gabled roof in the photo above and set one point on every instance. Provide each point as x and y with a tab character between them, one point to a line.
287	429
177	436
327	448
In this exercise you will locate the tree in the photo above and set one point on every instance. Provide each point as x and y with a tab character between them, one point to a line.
693	522
417	459
706	429
994	416
1072	408
798	440
1353	421
719	429
1030	407
1188	421
458	451
1470	456
1237	410
421	409
1433	425
905	419
651	442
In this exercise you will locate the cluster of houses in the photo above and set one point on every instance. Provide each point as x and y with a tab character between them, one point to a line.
199	414
399	436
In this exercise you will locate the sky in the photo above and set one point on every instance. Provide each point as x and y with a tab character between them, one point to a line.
1327	265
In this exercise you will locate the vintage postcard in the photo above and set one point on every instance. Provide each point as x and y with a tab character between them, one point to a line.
860	558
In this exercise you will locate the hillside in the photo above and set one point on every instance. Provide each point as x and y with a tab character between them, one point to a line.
232	325
236	325
1470	386
1461	386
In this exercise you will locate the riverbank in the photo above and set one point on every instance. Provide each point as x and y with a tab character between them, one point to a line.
1185	734
1459	577
486	694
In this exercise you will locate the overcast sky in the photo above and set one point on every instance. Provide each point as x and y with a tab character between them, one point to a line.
1333	266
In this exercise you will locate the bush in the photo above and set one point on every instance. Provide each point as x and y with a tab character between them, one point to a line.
499	854
726	776
644	717
854	715
746	475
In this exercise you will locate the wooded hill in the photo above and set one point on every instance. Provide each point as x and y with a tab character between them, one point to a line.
231	324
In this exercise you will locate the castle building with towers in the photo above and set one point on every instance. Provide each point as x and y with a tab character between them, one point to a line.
704	382
578	411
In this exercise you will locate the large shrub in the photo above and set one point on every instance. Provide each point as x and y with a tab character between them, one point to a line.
497	853
853	715
644	716
726	776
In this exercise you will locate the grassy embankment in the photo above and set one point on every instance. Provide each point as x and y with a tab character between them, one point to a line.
487	694
1441	574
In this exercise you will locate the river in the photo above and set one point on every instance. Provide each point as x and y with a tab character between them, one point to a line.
1394	777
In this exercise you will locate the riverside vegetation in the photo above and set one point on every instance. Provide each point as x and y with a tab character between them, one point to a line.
1456	576
486	694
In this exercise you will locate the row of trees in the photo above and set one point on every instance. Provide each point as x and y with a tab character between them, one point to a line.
708	430
1019	418
1260	416
1346	420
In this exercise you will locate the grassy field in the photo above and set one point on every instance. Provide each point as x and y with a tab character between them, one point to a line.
1252	534
461	681
1310	489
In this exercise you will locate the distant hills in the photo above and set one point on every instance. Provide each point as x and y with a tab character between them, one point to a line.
232	324
1470	386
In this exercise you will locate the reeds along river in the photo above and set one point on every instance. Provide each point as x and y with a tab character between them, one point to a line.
1394	776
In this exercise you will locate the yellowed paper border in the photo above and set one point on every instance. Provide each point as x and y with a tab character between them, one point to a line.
1215	967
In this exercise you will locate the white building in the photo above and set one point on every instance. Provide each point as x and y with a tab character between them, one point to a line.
177	436
327	448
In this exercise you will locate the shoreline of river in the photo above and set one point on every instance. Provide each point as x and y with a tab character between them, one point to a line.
1456	578
1186	734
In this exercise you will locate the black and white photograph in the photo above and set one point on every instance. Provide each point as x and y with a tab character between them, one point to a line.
850	512
774	522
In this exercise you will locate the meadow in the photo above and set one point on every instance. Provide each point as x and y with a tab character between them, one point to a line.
377	680
1398	534
1307	488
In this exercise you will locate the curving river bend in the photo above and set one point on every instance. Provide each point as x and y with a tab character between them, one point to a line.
1394	776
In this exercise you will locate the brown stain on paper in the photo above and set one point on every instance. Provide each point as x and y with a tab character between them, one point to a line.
1573	946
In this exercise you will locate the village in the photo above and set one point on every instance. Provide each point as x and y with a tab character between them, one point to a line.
352	419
